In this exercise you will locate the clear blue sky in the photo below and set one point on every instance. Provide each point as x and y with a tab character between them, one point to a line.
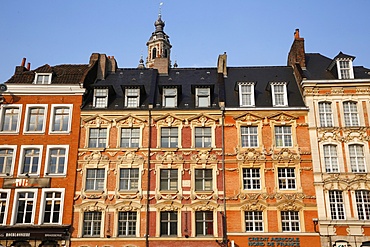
253	33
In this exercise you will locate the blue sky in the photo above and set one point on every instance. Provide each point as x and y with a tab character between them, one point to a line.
252	33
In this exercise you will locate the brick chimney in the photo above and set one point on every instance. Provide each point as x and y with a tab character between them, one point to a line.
297	52
20	69
222	64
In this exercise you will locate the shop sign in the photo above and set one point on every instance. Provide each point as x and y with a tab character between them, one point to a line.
11	183
273	241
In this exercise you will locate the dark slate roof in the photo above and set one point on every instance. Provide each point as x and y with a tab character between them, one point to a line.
262	77
61	74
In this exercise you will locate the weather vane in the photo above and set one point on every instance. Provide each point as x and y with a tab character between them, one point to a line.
160	9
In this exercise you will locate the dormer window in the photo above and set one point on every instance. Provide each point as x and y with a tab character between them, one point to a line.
279	94
101	98
246	94
345	69
42	78
132	97
169	97
203	97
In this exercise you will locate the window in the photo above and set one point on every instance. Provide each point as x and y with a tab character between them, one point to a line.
363	204
345	70
330	158
92	224
6	160
356	158
10	118
169	97
290	221
95	179
204	223
251	179
325	114
168	223
42	79
35	119
287	179
101	98
98	138
130	137
203	137
350	114
132	97
283	136
203	179
4	197
24	207
129	179
336	204
168	179
52	207
279	94
30	161
203	97
60	119
253	221
127	224
56	161
246	94
249	136
169	137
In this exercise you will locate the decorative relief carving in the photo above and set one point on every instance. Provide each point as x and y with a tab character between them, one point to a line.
195	196
337	90
253	206
93	207
355	134
128	121
289	206
203	156
285	154
346	181
96	156
169	120
160	196
130	157
311	91
282	117
202	119
363	90
169	206
169	157
251	154
277	196
205	207
248	117
129	196
97	121
128	206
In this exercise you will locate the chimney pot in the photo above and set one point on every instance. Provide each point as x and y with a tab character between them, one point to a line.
23	62
28	66
296	34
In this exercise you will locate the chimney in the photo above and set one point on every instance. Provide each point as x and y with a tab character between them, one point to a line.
23	62
112	64
162	65
222	64
28	66
297	53
102	67
20	69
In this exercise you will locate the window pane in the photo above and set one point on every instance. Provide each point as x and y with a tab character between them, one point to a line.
10	119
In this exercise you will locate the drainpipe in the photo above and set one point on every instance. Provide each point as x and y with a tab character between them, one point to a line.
148	184
224	221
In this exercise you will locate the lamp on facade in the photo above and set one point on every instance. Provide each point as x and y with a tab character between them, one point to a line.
315	223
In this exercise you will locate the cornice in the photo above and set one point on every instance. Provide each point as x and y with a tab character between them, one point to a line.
61	89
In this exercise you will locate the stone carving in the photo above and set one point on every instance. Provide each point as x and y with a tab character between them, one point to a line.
203	156
248	117
97	121
128	121
285	154
282	117
96	156
250	154
253	206
130	157
169	157
289	206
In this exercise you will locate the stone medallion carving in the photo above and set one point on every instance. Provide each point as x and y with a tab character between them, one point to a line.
96	156
169	157
285	154
203	156
130	157
250	154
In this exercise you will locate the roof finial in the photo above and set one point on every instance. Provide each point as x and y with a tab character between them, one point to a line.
160	10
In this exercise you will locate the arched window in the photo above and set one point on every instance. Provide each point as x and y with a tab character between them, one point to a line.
154	53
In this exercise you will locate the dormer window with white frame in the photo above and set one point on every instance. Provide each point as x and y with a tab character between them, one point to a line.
100	97
246	94
345	69
203	97
42	78
132	97
279	94
169	97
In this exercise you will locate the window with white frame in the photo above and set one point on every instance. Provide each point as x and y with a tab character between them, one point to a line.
95	179
24	208
363	204
249	136
330	158
56	161
130	137
129	179
203	137
92	224
204	223
169	137
132	97
246	94
127	224
30	160
279	94
251	179
61	118
203	179
283	136
98	137
168	223
253	221
52	206
336	204
286	178
203	97
290	221
350	114
345	69
35	119
100	97
4	202
168	179
10	116
357	158
325	114
42	78
169	97
7	154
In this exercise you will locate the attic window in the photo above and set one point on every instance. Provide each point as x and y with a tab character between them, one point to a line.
101	98
132	97
44	78
169	97
279	94
345	69
203	97
246	93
